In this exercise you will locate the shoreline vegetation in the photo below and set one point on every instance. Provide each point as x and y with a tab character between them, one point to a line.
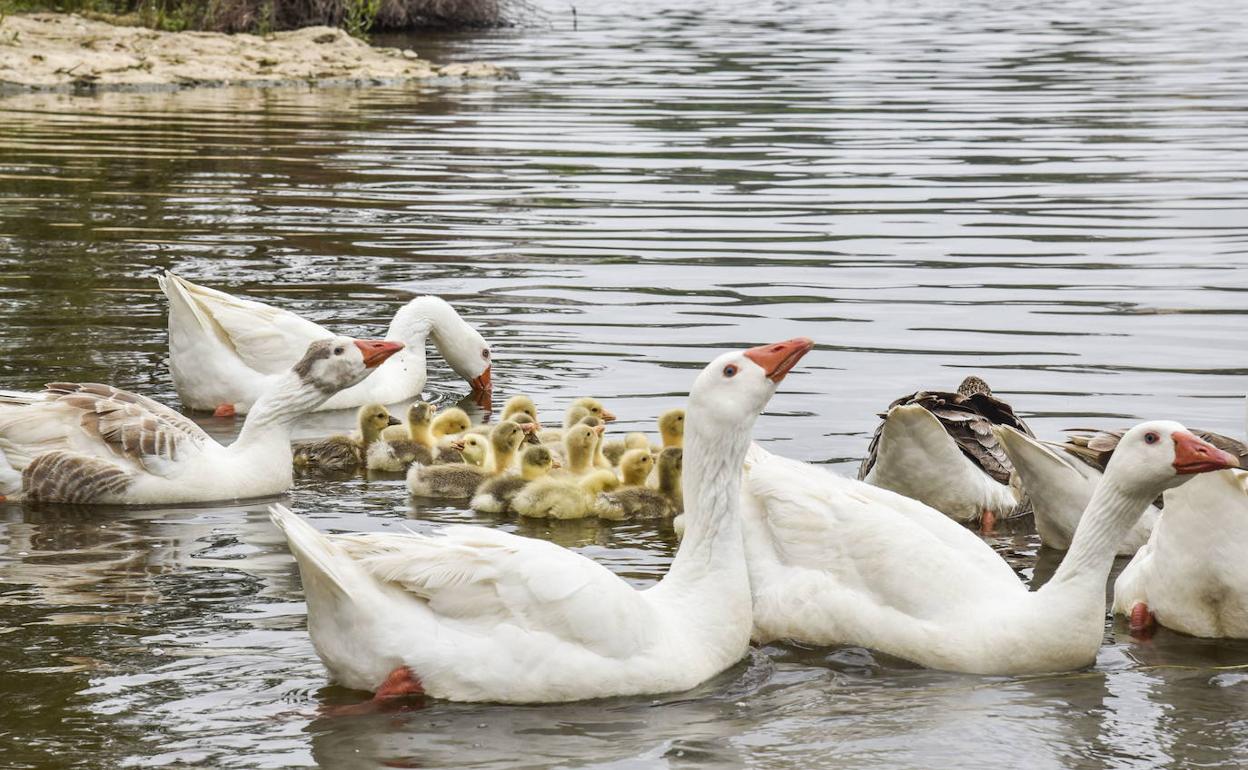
68	52
263	17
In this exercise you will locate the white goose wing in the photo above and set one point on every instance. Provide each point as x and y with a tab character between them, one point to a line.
483	576
893	550
98	421
267	339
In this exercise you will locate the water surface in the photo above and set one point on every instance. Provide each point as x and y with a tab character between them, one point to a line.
1051	195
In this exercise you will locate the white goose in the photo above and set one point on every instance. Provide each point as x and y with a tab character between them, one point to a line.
834	561
88	443
939	448
1191	575
475	614
1059	479
225	351
1059	483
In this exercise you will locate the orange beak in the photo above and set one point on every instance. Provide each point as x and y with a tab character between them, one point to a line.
777	359
607	416
376	351
1193	455
483	388
458	446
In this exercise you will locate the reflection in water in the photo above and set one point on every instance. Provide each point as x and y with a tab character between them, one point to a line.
1050	195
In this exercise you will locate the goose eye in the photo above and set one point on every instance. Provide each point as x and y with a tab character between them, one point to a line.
730	370
338	350
485	354
1151	438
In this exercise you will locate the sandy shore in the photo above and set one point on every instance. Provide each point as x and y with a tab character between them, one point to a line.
48	51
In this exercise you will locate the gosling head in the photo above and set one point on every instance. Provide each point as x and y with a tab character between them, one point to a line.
452	422
1159	455
373	419
506	437
595	408
420	414
517	405
475	449
574	415
635	466
332	364
672	427
671	464
536	462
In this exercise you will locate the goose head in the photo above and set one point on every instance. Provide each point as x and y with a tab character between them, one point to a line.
462	346
330	365
672	427
734	388
594	407
452	422
373	419
1160	455
635	466
536	462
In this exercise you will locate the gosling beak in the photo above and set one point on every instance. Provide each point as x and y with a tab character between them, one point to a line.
377	351
482	388
553	464
459	445
600	429
777	359
607	416
1194	455
392	420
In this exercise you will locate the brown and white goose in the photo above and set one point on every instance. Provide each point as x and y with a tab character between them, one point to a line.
940	449
90	443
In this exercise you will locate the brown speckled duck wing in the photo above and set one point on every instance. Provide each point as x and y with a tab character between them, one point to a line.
131	426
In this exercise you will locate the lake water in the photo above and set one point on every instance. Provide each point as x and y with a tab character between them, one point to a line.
1053	195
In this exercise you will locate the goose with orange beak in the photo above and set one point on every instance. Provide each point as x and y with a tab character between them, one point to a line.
89	443
1191	575
836	561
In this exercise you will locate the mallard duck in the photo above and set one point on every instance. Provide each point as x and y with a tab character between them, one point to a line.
495	495
90	443
346	453
224	351
640	502
939	448
564	498
458	480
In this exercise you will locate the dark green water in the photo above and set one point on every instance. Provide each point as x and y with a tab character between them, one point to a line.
1053	195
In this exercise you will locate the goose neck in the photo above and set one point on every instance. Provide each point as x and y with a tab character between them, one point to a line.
271	416
1110	513
712	490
